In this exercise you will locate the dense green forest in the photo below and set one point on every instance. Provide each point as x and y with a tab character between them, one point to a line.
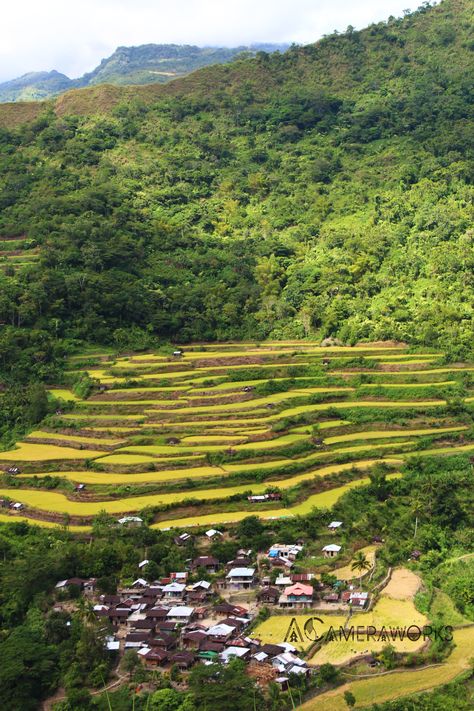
323	192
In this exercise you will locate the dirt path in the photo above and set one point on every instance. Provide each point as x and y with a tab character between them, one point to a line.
61	696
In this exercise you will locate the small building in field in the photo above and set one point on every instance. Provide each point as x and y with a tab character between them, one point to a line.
183	539
331	550
130	521
213	533
334	526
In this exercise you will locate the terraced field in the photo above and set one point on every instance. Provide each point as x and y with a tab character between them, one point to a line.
387	687
190	437
17	252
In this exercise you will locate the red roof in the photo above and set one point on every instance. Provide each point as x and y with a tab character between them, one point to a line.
299	589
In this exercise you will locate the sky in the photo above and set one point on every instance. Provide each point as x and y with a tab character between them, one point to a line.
73	36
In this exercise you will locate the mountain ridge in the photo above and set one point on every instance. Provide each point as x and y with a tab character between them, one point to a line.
142	64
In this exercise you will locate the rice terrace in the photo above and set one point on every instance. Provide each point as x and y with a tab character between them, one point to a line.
190	437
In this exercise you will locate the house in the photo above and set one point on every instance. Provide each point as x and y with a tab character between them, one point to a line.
201	586
130	521
302	577
157	613
208	562
70	582
89	586
166	625
143	563
118	616
18	506
332	597
226	609
181	614
242	561
283	551
230	652
221	632
297	596
196	597
283	581
193	639
281	563
210	649
155	657
213	533
331	550
183	660
177	353
183	539
260	657
174	590
112	644
180	577
142	624
268	595
334	526
238	623
163	640
137	640
241	578
289	663
359	599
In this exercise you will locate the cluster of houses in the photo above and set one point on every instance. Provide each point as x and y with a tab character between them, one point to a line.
174	622
302	590
185	618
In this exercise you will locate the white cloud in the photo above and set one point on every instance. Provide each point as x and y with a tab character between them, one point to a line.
73	36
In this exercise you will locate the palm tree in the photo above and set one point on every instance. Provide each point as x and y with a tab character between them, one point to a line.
360	564
417	509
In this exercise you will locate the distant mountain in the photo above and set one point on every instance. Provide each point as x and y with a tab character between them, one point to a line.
146	64
34	86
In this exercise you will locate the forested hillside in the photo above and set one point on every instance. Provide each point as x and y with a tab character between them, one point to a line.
323	192
145	64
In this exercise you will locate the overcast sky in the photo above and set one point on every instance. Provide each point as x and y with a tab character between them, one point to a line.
74	36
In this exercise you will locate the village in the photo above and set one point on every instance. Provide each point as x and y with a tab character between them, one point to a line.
207	612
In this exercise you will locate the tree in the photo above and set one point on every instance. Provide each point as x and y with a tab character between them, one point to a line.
166	700
360	564
130	662
224	688
417	509
349	698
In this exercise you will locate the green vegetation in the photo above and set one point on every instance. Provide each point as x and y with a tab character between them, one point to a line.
239	205
315	209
